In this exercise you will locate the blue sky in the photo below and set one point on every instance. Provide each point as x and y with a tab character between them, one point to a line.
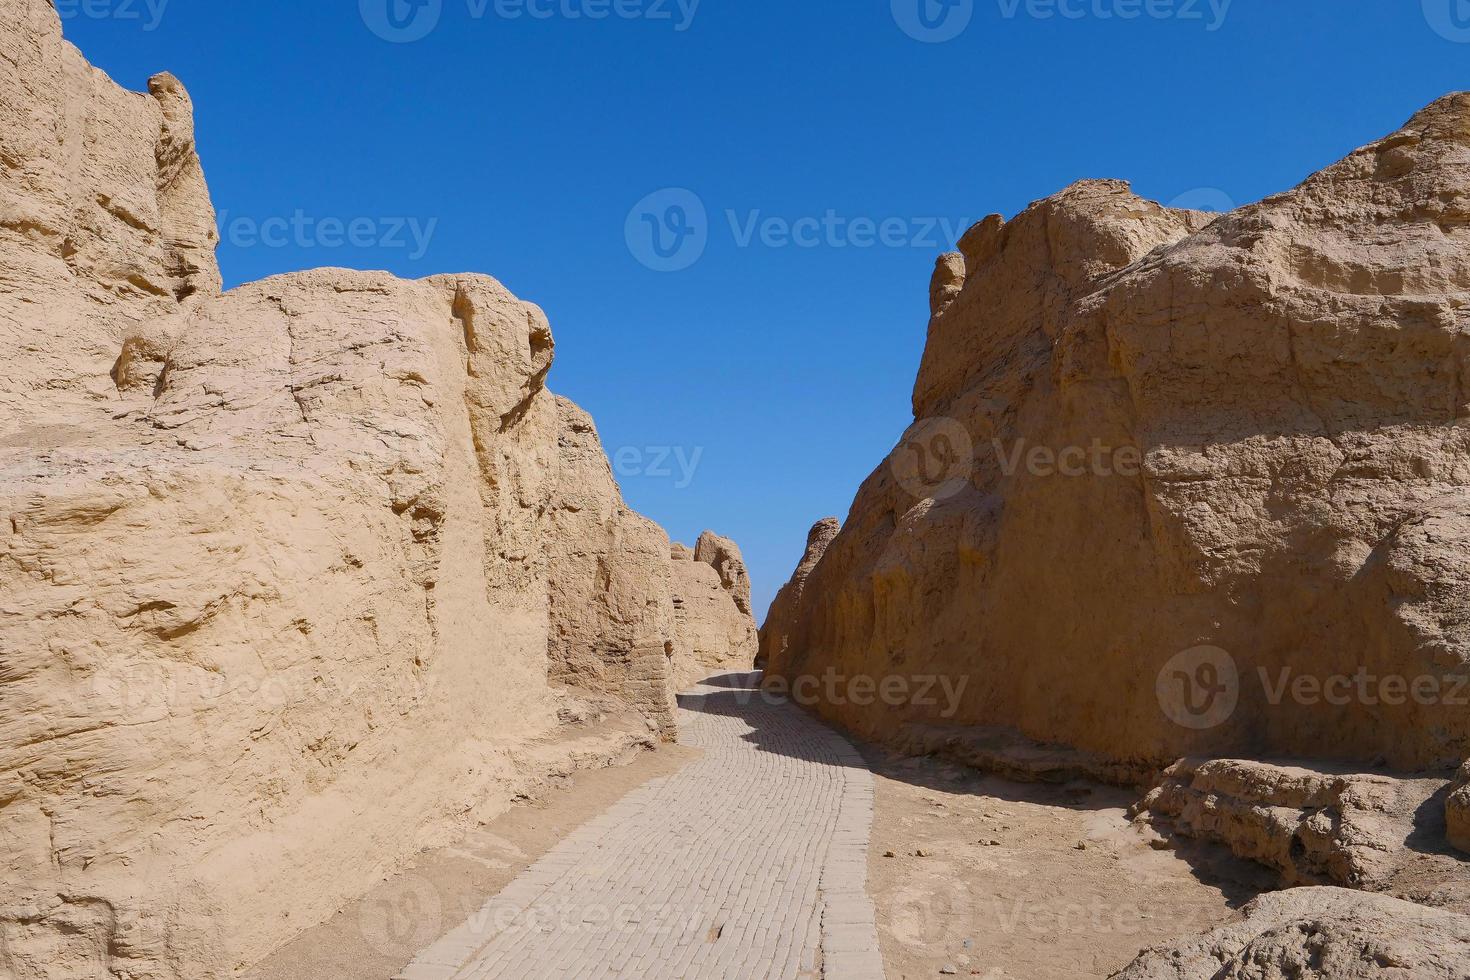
802	163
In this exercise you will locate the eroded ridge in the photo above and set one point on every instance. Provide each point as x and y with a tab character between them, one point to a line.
749	862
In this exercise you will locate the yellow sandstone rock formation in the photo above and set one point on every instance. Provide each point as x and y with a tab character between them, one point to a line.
286	573
714	630
1185	486
1182	484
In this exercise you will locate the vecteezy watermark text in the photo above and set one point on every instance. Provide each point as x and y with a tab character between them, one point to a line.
676	463
1201	688
1095	459
147	688
937	21
405	21
1210	13
864	690
834	230
669	230
301	230
937	458
408	913
148	13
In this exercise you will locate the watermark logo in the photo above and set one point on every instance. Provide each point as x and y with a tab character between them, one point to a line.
935	459
1204	199
916	909
1199	688
668	230
933	21
402	918
133	690
147	13
1449	18
401	21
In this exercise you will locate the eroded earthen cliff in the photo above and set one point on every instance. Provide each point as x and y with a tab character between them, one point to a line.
1167	464
287	573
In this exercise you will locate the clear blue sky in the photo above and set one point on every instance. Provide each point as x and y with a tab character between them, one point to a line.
780	371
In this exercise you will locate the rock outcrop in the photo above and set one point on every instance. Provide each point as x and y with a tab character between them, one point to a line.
724	557
612	608
1457	810
287	573
713	629
1325	933
780	618
1182	484
1311	827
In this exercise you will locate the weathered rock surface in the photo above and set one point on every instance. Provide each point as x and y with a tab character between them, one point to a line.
723	555
612	609
780	618
286	572
1321	934
1141	431
1457	811
1311	827
713	628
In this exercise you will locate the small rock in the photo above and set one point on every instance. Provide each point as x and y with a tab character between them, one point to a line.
948	971
921	853
1081	845
889	854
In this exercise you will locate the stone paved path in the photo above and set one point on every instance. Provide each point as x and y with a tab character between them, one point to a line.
750	862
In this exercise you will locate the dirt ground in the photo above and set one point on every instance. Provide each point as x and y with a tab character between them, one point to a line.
376	937
976	876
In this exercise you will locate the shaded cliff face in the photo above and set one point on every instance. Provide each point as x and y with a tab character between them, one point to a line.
285	572
1166	465
782	617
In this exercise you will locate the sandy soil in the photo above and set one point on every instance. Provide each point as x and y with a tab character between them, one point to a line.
374	938
976	876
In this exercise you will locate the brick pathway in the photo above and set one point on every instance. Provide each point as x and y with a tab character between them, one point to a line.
750	862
